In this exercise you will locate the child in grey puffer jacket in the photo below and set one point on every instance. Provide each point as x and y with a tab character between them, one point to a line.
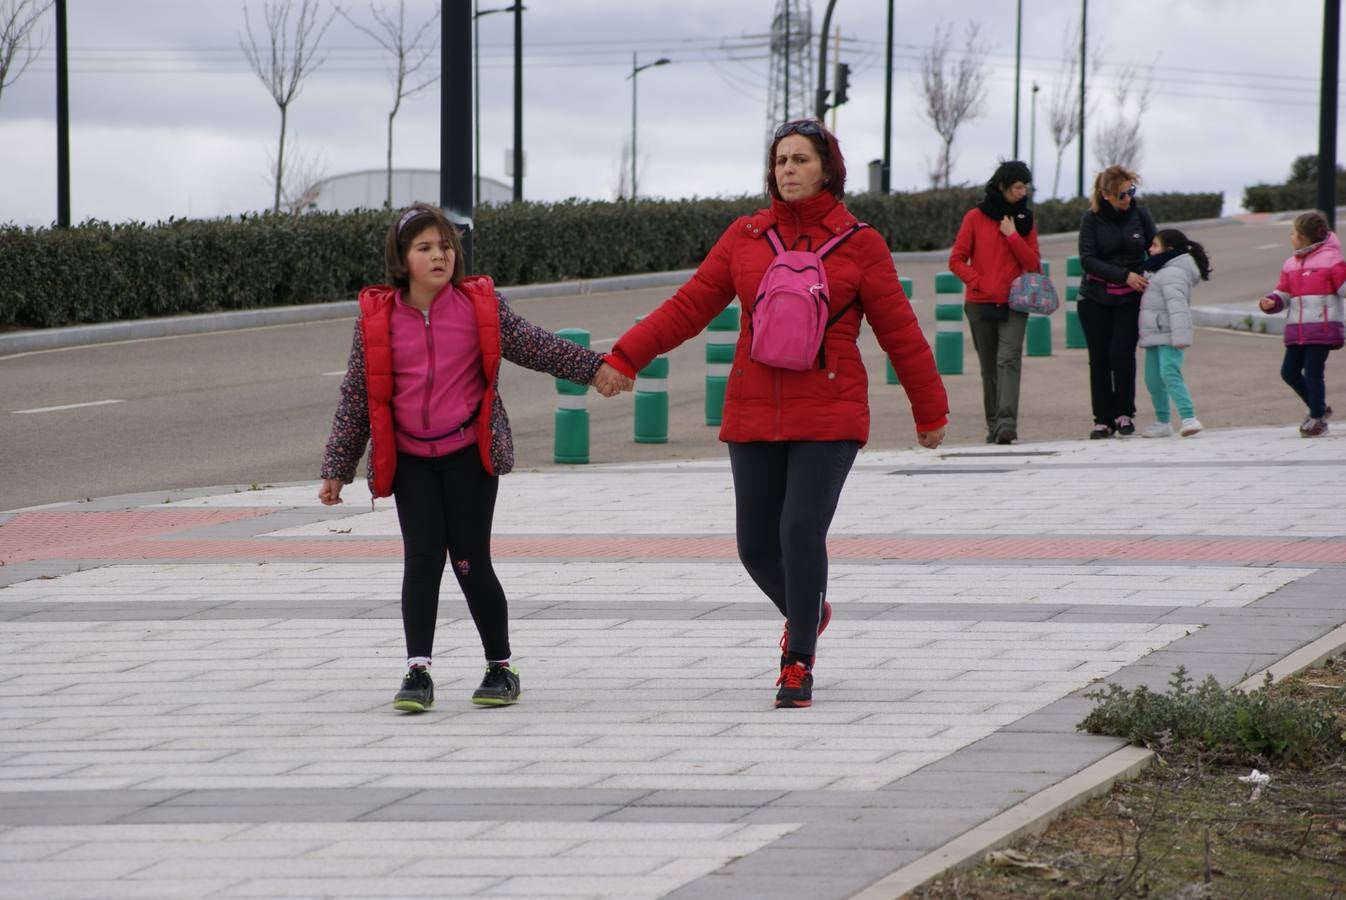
1176	264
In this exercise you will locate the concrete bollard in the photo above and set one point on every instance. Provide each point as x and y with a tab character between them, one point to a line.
948	324
1074	332
721	337
1039	342
908	288
572	411
651	413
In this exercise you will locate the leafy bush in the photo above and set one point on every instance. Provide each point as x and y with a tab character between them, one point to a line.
99	272
1300	190
1228	725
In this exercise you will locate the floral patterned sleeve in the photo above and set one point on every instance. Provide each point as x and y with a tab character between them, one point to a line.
350	425
527	345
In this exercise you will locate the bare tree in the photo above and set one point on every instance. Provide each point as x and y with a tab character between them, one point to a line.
954	91
285	61
301	178
409	57
18	18
1063	104
1118	141
621	184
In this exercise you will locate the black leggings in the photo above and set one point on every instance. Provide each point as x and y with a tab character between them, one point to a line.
1111	333
1303	369
785	494
445	505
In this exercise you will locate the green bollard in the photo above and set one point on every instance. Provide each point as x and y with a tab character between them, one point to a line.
1074	332
1040	327
651	413
908	288
721	337
948	324
572	411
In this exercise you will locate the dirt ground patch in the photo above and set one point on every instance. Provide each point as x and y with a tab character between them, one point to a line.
1187	829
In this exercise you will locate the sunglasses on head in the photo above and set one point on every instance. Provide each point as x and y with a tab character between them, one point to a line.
806	127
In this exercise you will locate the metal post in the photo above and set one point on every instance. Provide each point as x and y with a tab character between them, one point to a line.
455	121
820	103
1084	43
886	176
1018	53
518	102
476	107
1033	129
62	122
634	72
787	60
1327	112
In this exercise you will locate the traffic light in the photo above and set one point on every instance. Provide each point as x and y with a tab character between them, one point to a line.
843	83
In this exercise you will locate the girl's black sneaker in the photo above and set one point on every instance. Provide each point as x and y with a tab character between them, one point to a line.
417	693
796	686
499	687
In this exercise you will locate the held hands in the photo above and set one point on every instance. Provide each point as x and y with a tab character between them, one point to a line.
329	494
1136	282
609	382
930	439
1007	226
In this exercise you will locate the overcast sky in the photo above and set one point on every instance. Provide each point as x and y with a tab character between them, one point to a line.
168	120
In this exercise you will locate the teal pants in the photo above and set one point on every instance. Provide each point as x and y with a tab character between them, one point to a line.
1163	378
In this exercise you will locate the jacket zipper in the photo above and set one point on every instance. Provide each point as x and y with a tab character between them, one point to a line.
429	373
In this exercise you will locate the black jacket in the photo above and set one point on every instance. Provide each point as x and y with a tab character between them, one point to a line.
1113	242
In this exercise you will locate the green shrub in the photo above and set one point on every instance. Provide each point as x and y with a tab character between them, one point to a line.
98	272
1300	190
1227	725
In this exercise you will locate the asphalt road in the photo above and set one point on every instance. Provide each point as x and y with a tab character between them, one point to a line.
254	406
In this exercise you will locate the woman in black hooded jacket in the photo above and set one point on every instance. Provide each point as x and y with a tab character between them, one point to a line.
1114	234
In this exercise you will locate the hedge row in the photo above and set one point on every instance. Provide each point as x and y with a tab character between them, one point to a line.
1291	195
98	272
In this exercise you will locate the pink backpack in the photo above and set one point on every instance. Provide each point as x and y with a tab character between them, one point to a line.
790	315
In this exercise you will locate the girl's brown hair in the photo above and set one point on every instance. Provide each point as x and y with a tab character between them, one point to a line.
1107	182
405	228
1312	226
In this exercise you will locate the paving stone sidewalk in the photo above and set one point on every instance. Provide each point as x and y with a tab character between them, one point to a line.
195	686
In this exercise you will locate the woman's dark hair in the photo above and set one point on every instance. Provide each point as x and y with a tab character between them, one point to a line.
1173	239
409	223
1009	173
824	143
1312	226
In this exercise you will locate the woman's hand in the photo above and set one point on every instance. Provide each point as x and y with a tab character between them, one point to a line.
1007	226
329	494
609	382
1136	282
930	439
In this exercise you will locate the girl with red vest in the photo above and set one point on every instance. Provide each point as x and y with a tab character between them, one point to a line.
422	389
793	434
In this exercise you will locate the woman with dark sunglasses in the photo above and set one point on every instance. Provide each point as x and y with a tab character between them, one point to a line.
1115	233
793	433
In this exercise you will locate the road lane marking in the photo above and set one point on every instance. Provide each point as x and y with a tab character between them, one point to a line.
44	409
1267	246
336	374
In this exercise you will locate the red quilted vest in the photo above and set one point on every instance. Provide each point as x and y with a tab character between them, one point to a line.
376	310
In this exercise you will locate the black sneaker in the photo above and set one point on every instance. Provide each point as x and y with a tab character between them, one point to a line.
1126	425
499	687
418	691
1006	435
796	687
1100	431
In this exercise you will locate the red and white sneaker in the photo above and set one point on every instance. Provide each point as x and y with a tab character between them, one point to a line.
796	686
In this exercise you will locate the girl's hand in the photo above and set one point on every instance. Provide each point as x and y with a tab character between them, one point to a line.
930	439
329	494
609	382
1007	226
1266	304
1136	282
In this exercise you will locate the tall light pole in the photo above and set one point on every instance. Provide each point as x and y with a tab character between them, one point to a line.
1327	112
886	173
518	103
1033	128
1084	47
455	118
62	122
476	95
1018	53
636	70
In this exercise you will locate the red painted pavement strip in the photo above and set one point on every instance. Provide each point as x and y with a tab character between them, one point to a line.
71	534
149	534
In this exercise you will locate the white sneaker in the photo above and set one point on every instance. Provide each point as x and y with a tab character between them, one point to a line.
1190	426
1157	430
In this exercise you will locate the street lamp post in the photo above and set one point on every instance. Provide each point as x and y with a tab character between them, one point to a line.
1018	54
636	70
476	96
1033	128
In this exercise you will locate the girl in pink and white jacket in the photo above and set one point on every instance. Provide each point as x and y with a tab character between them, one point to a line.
1311	287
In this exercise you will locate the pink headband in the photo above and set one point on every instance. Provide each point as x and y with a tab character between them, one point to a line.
407	217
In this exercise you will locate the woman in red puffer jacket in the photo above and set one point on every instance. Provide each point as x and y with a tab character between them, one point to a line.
793	435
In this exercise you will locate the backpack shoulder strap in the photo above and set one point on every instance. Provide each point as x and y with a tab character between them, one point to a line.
773	237
837	240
